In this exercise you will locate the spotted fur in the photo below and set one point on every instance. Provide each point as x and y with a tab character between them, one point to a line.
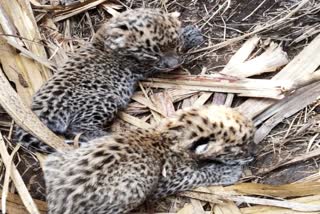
84	96
117	173
230	133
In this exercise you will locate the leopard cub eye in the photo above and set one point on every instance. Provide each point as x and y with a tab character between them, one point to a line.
201	149
200	145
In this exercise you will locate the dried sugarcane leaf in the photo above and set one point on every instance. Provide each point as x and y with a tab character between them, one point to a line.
25	32
277	210
163	101
269	61
283	191
228	207
244	87
230	196
16	206
134	120
284	109
304	64
143	100
202	99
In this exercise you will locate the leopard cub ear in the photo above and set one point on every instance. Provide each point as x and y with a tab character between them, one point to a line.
174	125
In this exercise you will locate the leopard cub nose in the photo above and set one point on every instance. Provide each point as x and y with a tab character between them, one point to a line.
171	61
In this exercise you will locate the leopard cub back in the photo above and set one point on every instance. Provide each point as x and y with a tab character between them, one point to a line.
117	173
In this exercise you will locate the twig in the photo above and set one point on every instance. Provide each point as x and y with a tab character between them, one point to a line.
277	203
17	180
245	18
251	200
76	9
258	30
5	187
215	13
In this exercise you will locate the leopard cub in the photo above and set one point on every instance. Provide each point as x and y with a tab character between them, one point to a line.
84	96
198	147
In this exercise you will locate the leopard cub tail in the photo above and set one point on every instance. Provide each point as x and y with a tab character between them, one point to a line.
30	142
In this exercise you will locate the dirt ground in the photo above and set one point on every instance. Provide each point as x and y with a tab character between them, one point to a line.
284	142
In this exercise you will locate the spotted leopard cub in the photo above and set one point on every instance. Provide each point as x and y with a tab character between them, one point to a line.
117	173
99	79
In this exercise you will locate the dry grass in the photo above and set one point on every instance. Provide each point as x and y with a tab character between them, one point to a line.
243	39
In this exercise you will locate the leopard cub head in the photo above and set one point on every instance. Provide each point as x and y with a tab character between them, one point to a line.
146	36
213	132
